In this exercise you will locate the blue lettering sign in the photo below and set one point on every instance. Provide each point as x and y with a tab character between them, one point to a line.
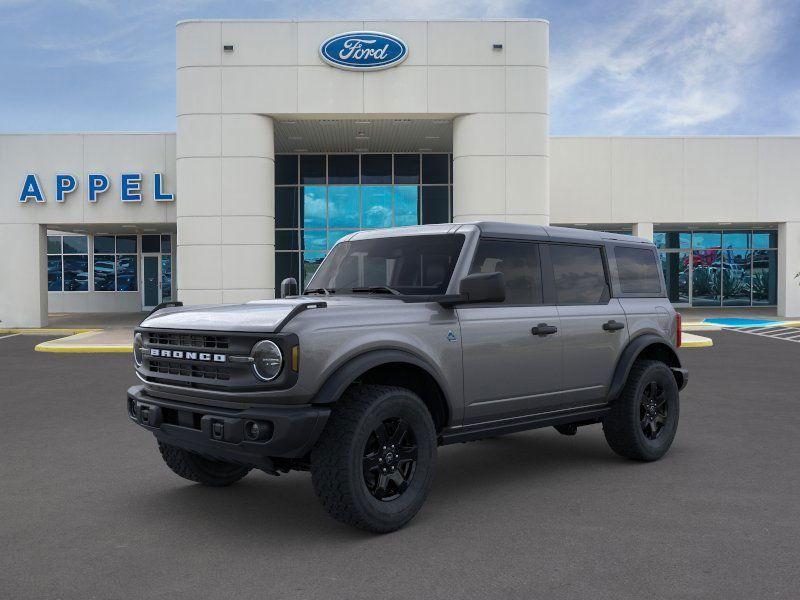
131	188
98	184
158	195
65	184
363	51
31	189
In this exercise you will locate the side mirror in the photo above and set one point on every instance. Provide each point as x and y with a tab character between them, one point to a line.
483	287
289	287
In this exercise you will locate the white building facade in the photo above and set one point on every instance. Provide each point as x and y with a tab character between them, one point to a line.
292	134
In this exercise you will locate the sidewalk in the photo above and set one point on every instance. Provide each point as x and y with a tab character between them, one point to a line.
86	332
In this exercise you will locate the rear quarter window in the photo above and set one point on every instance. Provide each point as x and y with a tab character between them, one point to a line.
638	271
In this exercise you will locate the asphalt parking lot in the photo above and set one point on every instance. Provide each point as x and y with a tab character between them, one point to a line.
88	510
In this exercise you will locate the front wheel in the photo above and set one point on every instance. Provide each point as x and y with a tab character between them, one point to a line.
374	462
644	419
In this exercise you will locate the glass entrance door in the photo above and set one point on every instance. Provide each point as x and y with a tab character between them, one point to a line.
151	288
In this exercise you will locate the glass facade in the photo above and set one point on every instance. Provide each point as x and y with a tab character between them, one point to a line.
115	263
319	198
720	267
67	263
105	263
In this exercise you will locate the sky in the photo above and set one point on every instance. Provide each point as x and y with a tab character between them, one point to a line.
669	67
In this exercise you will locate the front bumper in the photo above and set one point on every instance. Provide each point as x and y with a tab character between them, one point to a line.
222	433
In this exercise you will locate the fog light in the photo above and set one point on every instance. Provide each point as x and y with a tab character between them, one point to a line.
256	431
251	430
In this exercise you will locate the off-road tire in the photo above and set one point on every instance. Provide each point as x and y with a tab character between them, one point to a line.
623	426
199	469
337	460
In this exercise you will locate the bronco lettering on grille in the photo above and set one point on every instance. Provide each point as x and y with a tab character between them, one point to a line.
201	356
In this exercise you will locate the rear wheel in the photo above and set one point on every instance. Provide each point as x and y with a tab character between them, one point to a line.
199	469
374	463
644	419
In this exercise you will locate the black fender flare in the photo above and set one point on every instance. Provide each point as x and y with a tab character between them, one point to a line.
632	351
348	372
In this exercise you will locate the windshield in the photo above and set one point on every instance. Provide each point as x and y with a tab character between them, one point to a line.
410	265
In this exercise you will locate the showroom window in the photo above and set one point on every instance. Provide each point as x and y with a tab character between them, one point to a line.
720	267
319	198
67	263
115	263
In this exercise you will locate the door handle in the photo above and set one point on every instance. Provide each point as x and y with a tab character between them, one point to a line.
613	325
544	329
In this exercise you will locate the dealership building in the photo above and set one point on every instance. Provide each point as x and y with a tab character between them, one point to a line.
291	135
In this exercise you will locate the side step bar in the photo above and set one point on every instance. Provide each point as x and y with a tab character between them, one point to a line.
492	428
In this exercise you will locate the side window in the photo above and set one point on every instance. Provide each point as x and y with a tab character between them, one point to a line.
638	271
519	264
579	274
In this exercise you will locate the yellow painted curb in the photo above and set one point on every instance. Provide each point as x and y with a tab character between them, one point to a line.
46	331
689	340
47	347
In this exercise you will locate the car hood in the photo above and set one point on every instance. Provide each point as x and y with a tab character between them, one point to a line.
258	316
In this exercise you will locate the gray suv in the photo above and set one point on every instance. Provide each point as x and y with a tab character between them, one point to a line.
407	339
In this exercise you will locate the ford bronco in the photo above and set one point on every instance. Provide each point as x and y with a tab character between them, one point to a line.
407	339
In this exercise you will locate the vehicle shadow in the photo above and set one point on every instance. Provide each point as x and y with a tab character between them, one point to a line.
288	509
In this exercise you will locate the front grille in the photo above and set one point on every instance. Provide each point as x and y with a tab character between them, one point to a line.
189	340
186	369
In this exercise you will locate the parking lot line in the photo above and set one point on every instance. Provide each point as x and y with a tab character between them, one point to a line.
2	337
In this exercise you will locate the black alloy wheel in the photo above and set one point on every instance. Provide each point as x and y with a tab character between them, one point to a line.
642	422
390	459
374	463
653	410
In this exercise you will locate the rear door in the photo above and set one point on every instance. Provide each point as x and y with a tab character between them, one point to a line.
593	324
511	350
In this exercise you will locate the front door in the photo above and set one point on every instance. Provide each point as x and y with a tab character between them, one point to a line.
511	350
151	288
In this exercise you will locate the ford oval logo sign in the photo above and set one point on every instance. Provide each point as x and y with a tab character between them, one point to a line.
363	50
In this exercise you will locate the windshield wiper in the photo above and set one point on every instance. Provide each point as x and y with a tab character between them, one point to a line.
375	289
322	290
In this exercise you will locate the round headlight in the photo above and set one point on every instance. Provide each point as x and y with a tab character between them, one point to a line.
137	349
267	360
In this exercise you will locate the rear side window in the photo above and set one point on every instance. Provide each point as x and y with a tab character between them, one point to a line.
519	264
580	277
638	271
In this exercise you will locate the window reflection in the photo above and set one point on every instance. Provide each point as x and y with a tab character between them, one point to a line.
742	273
736	278
315	239
706	277
406	211
126	273
765	277
166	277
76	273
343	206
104	272
54	278
675	266
314	206
377	206
318	200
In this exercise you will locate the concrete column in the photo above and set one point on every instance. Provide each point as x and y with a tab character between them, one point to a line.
226	222
788	266
501	168
23	301
644	230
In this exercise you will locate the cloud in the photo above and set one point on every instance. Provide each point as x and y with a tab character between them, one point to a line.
672	69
